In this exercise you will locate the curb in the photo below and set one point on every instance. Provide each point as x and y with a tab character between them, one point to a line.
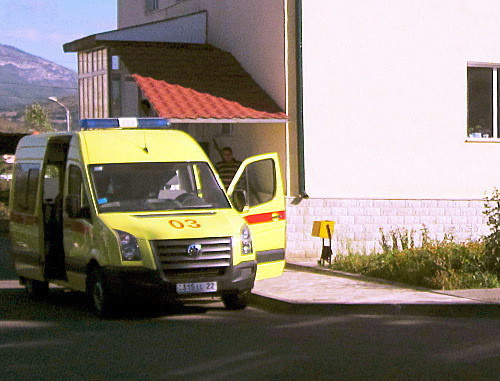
271	304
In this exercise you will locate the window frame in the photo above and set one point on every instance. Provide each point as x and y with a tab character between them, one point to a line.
495	138
151	6
247	179
76	173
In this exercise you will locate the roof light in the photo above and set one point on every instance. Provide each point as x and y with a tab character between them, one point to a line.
153	122
148	123
90	124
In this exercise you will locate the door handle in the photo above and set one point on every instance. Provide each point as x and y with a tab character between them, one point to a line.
276	216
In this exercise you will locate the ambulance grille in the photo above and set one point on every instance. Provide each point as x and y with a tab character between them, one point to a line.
214	259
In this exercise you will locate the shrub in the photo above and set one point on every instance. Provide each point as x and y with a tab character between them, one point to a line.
492	241
433	264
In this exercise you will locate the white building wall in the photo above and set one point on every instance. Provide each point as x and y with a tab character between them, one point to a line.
385	119
385	98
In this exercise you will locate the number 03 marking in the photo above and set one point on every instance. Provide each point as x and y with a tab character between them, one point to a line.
181	225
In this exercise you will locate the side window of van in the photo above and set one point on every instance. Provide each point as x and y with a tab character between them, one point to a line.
51	183
75	185
258	182
26	187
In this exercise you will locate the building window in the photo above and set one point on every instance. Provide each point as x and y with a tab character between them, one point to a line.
116	94
151	5
483	102
115	62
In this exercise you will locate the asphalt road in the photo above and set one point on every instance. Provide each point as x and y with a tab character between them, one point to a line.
59	339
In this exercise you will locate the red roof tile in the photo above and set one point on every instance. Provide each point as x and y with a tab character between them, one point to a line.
179	102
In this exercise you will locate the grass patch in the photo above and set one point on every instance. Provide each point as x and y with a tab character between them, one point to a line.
442	265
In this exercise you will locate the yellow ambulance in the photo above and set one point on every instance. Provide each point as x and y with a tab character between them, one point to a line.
128	206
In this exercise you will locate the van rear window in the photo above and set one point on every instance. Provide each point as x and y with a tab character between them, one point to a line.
138	187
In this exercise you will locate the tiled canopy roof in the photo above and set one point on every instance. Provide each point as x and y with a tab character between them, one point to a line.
193	81
178	102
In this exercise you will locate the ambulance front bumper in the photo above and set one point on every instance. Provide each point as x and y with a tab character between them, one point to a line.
130	281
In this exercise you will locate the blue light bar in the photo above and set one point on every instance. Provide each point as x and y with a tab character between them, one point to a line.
152	122
90	124
146	123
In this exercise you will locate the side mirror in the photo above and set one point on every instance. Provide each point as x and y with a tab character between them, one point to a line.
240	199
73	208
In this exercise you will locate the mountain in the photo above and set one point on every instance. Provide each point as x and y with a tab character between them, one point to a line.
25	78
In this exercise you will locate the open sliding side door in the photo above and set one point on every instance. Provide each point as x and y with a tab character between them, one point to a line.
257	192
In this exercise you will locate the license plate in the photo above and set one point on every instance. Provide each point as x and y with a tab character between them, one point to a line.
193	288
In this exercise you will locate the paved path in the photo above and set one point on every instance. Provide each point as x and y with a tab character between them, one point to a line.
302	287
307	292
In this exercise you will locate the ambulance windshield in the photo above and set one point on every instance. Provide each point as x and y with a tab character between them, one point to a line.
140	187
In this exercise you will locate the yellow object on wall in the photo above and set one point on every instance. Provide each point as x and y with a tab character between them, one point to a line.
320	229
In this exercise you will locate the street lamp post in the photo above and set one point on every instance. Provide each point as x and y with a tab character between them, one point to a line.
68	116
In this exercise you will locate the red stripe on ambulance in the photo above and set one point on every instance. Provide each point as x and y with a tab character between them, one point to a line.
265	217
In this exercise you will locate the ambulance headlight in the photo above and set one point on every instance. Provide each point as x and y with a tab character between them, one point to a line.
246	240
128	246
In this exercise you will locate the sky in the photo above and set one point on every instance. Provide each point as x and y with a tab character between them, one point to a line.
41	27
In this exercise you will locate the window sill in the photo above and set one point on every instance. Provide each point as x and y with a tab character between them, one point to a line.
482	140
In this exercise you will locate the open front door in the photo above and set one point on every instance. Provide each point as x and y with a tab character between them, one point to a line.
257	192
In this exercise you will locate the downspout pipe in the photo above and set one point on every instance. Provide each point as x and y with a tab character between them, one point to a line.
300	100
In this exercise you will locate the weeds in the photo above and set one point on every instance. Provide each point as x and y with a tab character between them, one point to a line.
443	264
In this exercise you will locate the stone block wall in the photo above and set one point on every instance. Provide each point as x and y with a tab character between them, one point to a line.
358	222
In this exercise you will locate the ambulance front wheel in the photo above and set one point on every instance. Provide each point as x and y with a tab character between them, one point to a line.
36	289
101	300
236	300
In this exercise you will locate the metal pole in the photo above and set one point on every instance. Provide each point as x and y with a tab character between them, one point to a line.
68	115
300	100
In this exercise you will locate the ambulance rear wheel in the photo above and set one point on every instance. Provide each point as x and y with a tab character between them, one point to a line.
236	300
101	300
36	289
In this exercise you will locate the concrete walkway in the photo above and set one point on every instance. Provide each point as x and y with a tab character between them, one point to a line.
307	287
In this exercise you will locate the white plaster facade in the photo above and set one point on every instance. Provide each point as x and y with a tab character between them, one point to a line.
385	98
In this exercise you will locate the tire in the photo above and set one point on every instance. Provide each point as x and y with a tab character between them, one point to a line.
36	289
101	300
236	300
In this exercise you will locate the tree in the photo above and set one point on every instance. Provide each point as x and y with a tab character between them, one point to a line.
36	117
